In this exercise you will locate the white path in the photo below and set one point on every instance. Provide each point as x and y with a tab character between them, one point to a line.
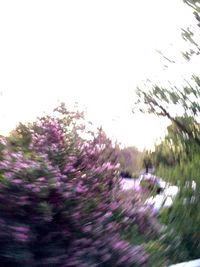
195	263
164	199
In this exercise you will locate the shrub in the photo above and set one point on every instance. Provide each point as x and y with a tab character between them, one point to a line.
57	204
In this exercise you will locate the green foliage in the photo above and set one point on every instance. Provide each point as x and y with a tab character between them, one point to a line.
178	161
177	158
157	251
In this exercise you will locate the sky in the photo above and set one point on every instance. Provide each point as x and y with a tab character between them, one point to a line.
94	53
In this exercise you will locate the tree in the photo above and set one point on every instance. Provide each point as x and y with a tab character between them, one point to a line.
191	35
173	101
177	156
129	159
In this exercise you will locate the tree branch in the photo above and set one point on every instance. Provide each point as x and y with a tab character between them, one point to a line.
180	125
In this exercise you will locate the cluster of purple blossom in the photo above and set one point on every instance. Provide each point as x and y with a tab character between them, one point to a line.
57	204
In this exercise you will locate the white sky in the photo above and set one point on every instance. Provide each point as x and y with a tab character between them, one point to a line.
92	52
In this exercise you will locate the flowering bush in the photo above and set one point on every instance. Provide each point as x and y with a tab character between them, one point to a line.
57	204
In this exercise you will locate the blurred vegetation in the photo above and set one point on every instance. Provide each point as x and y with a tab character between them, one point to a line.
130	159
177	160
58	200
177	157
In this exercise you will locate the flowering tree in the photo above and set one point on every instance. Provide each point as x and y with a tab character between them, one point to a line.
57	197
